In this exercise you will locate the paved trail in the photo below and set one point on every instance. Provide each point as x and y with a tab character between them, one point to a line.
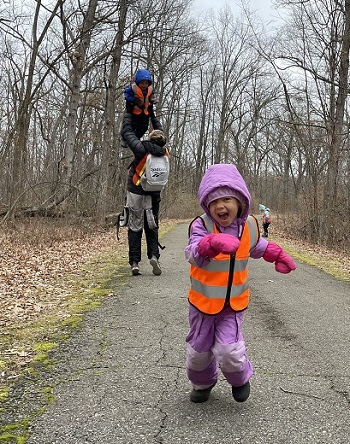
123	380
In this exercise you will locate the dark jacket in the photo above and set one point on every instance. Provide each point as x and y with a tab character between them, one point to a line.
139	149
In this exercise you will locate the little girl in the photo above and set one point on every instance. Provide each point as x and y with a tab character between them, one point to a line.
220	243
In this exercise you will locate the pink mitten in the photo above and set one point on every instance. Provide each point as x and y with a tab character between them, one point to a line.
283	262
225	243
204	247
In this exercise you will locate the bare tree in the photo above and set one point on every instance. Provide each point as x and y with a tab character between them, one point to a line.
30	85
318	46
110	145
236	63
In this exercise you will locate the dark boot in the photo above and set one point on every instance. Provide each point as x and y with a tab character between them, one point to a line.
241	393
201	395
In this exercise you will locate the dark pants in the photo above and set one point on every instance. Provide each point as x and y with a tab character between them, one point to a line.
140	124
266	229
135	237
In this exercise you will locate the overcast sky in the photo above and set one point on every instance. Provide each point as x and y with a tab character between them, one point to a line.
263	8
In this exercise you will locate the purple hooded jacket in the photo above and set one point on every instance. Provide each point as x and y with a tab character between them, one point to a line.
216	178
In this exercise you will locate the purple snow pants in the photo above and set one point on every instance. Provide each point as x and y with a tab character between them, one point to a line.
216	341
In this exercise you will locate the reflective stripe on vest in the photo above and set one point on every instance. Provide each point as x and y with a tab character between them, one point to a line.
139	170
209	284
144	97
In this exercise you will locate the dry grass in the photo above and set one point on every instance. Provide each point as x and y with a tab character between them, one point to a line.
39	260
46	281
34	254
336	263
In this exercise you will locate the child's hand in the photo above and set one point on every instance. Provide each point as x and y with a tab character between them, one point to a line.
225	243
204	247
139	103
283	262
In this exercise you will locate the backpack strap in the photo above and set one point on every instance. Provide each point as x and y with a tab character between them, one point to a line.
190	225
117	225
122	220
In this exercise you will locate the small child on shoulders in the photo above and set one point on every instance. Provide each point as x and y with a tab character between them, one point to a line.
140	98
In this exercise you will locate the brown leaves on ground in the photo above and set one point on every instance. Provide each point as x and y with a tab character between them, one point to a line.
37	260
38	256
34	254
333	262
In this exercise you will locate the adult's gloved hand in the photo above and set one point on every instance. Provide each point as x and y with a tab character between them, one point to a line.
283	262
204	247
153	99
225	243
139	103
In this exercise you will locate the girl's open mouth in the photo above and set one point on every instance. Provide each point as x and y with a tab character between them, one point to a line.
223	216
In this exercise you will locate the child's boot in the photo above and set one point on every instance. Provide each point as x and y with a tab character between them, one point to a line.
241	393
201	395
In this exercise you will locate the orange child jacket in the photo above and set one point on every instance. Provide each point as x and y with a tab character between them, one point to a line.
224	279
145	98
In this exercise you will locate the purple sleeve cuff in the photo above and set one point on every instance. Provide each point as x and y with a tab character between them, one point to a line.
259	249
191	251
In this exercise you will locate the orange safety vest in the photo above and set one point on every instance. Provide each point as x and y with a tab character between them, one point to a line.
268	219
140	168
224	280
144	97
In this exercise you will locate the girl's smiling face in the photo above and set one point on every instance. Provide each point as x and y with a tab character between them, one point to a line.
224	210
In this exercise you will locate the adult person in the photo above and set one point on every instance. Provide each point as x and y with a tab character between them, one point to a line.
143	205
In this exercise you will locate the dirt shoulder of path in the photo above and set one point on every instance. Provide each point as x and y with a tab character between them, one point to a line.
51	273
331	262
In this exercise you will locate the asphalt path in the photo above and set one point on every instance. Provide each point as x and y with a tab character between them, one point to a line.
122	377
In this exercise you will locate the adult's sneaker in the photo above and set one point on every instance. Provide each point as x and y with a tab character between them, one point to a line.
135	269
155	266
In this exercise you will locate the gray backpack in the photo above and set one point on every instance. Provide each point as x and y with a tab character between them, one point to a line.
156	173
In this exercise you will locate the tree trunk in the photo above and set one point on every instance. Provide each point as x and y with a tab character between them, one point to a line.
110	143
78	58
337	126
